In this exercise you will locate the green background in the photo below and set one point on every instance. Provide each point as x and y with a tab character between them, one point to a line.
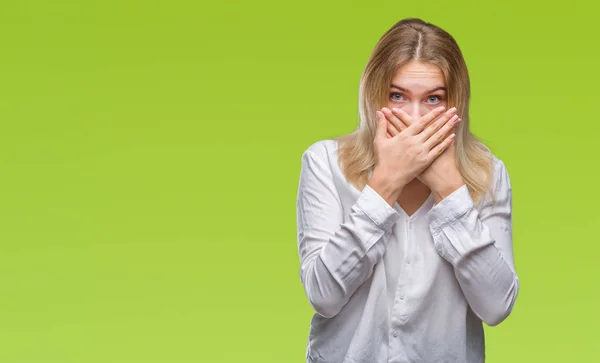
150	155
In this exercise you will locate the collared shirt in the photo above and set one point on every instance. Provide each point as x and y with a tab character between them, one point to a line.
389	287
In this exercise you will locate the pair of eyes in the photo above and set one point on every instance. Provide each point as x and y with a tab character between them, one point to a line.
439	98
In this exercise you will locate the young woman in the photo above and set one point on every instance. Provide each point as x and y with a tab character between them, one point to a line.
405	224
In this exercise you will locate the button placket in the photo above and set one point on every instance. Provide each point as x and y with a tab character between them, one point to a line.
400	295
409	228
399	314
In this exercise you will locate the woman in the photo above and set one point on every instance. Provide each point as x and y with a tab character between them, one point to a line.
405	224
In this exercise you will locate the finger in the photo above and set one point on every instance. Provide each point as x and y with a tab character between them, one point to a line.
447	118
439	148
398	118
388	135
417	127
381	126
441	134
401	114
392	130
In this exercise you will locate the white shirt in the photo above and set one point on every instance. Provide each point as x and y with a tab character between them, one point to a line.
388	287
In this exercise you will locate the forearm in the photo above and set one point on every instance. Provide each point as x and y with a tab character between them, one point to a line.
489	284
333	272
484	271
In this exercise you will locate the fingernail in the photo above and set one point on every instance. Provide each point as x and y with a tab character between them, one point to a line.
378	114
395	109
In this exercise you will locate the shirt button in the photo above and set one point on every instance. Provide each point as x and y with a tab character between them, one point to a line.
401	296
395	334
408	261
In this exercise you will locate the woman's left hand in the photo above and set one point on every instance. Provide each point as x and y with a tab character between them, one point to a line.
442	175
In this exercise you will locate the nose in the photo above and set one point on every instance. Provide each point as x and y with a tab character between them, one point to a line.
415	111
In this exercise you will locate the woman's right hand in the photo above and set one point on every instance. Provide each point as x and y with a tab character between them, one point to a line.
401	158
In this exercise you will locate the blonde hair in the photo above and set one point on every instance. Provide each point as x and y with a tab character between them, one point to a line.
414	39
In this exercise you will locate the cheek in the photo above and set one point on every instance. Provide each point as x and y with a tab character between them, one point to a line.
390	105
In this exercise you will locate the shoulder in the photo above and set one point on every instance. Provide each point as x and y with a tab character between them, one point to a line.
501	179
324	150
499	186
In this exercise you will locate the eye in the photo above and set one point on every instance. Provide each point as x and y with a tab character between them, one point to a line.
395	93
438	97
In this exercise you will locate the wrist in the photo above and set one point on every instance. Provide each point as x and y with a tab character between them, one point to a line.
388	188
442	192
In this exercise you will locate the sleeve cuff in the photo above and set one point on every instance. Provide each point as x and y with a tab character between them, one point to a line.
450	208
377	208
455	227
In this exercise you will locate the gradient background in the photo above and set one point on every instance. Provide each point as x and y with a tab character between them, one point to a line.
150	155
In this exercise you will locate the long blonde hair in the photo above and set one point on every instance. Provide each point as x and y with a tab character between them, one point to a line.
414	39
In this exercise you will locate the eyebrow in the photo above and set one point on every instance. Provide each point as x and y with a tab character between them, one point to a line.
429	91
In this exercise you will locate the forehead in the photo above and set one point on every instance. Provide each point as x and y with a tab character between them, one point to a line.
419	76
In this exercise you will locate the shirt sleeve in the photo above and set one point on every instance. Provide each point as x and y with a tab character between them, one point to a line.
336	255
479	246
